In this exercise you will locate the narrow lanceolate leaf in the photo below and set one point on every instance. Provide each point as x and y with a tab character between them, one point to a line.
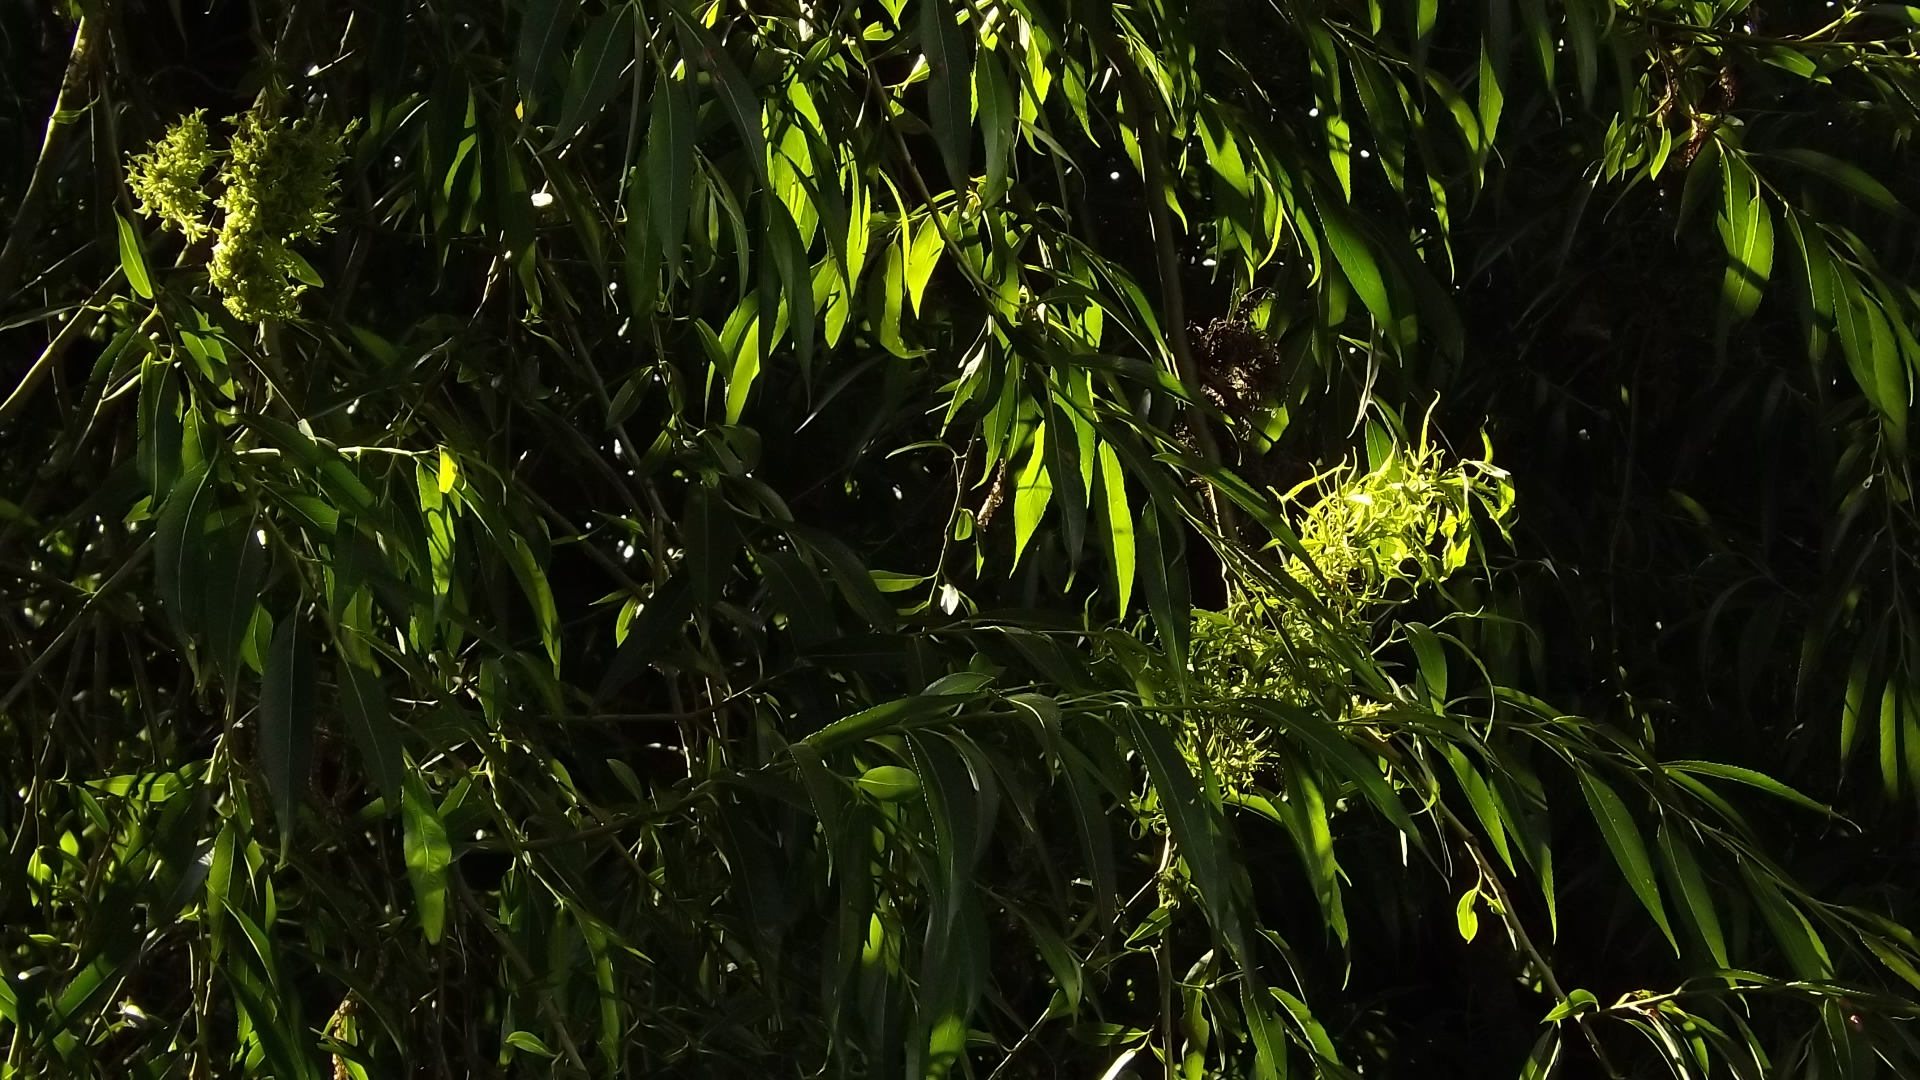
999	121
538	55
1854	704
881	719
1851	177
1750	777
1196	827
1163	578
1356	262
178	546
1817	296
363	703
598	67
1033	491
286	719
1872	349
1432	658
427	853
670	132
736	93
1798	939
1890	739
1117	517
659	621
233	565
159	428
1492	98
1683	871
949	86
1623	839
1325	742
534	581
131	259
1746	227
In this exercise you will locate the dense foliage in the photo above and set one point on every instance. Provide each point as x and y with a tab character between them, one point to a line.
1241	538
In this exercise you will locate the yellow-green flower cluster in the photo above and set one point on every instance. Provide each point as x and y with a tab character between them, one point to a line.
166	179
1376	537
279	189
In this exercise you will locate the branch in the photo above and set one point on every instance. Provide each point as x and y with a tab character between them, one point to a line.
1134	94
81	322
72	628
33	205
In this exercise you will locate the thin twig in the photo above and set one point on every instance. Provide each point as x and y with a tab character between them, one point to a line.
1510	915
80	323
73	625
33	205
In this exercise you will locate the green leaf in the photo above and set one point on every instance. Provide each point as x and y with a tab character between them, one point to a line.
1854	704
1851	177
287	720
999	121
1196	826
1433	661
1492	99
1746	227
427	853
1317	1038
736	93
303	271
604	55
1032	493
1486	803
949	86
533	581
1751	778
889	783
1117	522
1163	579
1545	1057
1356	262
364	703
670	135
1346	759
850	574
922	257
880	720
1578	1002
528	1041
1797	937
1623	839
1684	873
178	551
543	33
1873	356
1792	60
665	613
233	566
1465	917
131	260
789	253
159	427
1583	36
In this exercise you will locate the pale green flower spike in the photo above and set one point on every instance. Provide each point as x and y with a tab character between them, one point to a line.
278	187
167	178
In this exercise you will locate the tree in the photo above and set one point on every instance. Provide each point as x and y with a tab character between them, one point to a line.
948	536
